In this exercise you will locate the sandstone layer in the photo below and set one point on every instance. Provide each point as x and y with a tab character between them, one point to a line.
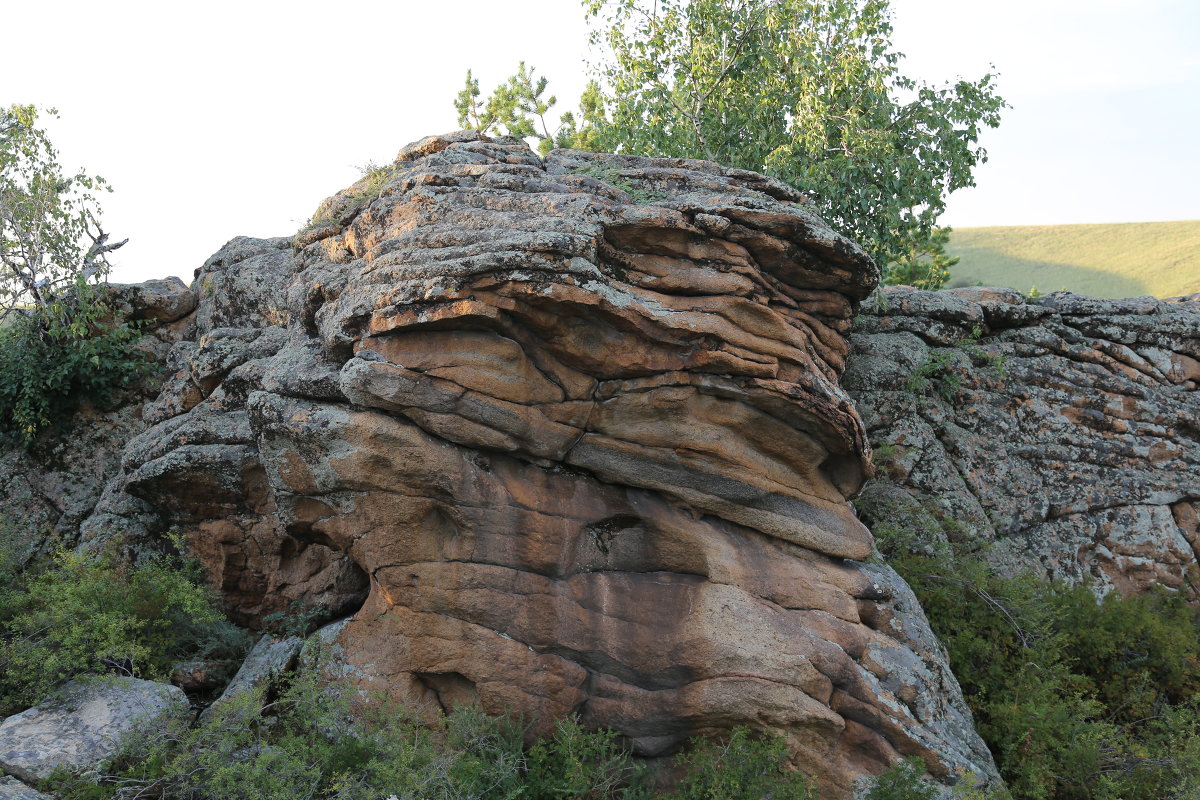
1064	429
557	436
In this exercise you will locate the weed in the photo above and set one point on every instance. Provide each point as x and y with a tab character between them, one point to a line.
940	371
614	178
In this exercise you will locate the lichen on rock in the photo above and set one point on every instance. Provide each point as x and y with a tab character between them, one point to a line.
1079	459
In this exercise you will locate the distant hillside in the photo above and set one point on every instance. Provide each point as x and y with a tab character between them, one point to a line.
1111	260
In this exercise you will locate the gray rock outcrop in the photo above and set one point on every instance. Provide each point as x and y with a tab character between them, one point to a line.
559	435
1064	429
13	789
50	491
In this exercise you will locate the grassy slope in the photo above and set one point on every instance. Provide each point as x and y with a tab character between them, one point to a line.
1112	260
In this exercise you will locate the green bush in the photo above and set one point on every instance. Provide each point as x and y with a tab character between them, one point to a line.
317	739
577	763
48	361
741	768
98	613
1076	697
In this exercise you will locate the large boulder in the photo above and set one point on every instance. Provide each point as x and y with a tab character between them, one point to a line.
560	436
1063	429
84	724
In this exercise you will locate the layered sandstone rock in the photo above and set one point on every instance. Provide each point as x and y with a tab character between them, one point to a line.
1068	433
562	436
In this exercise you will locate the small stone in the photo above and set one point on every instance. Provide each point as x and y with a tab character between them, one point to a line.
13	789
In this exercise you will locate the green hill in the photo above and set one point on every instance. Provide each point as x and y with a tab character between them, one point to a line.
1111	260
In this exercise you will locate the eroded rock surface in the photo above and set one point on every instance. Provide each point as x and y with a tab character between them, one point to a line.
562	436
13	789
1069	433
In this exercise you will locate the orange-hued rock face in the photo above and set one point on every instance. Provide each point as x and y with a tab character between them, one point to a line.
556	451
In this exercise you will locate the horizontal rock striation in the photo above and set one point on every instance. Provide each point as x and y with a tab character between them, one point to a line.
560	436
1066	429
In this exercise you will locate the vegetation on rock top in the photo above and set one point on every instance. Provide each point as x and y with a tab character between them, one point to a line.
804	91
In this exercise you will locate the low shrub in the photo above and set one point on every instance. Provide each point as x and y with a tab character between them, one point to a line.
48	361
740	768
1078	698
321	740
99	613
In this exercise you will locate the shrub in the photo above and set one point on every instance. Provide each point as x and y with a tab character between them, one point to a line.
740	768
49	361
577	763
98	613
318	739
1076	697
941	372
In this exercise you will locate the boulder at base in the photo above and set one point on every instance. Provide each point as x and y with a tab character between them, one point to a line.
83	725
13	789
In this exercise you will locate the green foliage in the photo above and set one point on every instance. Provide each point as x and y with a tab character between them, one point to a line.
923	264
807	91
299	620
902	782
1077	697
943	371
519	107
344	205
576	763
323	739
96	613
46	215
905	781
613	177
51	359
59	342
740	768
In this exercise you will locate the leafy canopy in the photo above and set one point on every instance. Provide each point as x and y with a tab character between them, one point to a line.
809	91
58	341
50	235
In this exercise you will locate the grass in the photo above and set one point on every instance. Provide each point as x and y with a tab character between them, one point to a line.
1108	260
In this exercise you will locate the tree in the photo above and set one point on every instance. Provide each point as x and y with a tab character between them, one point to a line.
809	91
63	343
518	106
51	243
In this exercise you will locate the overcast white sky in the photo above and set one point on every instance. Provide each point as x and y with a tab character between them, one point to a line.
225	118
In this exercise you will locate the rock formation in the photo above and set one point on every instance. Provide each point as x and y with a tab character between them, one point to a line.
559	436
1064	429
84	725
52	489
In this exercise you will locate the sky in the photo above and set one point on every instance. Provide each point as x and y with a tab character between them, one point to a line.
218	119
